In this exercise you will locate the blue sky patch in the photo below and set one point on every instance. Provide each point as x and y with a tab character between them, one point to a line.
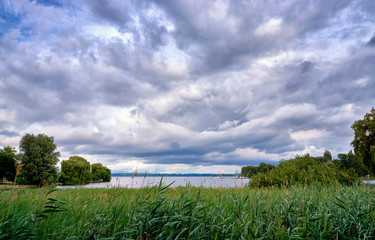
9	18
54	3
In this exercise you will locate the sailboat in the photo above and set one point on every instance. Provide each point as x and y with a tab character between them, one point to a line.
236	175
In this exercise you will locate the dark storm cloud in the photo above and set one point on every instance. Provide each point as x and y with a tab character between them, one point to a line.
187	82
371	43
46	92
302	77
217	46
117	12
127	16
199	115
139	64
352	82
8	133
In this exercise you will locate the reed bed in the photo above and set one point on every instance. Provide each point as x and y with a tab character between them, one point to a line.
314	212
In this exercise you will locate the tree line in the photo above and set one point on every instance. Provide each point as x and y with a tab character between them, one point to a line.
77	170
36	164
305	169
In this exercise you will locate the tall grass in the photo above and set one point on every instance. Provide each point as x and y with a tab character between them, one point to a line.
315	212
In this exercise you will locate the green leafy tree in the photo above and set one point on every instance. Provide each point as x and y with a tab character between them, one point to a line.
249	171
364	140
75	170
11	151
100	172
350	161
38	158
7	163
326	158
264	168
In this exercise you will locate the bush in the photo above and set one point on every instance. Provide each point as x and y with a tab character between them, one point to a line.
75	170
303	171
7	166
100	173
249	171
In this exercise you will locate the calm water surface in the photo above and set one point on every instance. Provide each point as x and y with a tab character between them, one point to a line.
372	182
140	181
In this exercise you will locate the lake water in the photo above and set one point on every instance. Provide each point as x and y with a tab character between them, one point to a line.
372	182
140	181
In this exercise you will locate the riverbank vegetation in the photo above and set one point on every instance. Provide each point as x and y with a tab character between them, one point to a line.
313	212
303	171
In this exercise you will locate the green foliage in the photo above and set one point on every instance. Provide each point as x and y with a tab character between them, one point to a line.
74	171
7	163
313	212
350	161
10	151
364	140
100	172
249	171
303	171
327	157
38	158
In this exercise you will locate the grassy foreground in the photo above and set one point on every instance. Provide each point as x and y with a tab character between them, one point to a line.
315	212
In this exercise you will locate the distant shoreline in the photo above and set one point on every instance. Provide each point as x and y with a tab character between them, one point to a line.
172	175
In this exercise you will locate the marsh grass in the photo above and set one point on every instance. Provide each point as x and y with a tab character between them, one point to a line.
315	212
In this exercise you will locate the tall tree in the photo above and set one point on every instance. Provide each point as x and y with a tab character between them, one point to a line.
350	161
327	156
38	158
7	163
364	140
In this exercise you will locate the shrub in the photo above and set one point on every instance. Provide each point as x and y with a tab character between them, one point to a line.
303	170
75	170
100	172
249	171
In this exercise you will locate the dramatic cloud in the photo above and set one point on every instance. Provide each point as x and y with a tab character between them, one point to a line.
186	86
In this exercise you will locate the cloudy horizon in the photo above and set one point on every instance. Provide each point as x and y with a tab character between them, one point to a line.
186	86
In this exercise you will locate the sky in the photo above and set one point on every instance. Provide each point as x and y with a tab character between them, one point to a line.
186	86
